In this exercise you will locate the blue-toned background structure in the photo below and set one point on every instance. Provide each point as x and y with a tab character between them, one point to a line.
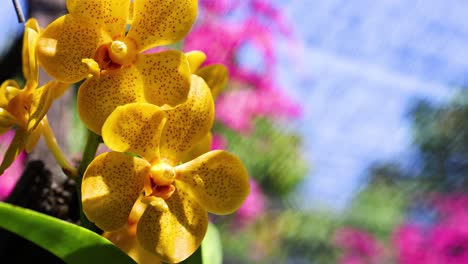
360	66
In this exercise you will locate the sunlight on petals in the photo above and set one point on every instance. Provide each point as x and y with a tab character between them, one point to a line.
30	64
110	14
202	147
217	180
166	77
188	123
111	186
140	134
125	239
8	90
41	101
161	22
15	148
98	97
215	76
173	234
64	43
195	59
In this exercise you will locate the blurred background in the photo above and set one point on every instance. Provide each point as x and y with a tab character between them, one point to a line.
351	117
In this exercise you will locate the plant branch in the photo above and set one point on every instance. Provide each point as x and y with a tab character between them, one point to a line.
19	11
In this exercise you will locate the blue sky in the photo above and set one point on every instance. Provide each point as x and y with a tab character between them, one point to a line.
10	25
360	65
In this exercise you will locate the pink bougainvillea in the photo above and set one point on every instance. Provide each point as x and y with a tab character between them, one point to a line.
359	247
252	92
218	142
236	109
253	207
409	244
443	241
12	174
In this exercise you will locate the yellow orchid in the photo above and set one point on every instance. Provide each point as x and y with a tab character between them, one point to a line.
92	38
216	77
148	146
125	238
25	108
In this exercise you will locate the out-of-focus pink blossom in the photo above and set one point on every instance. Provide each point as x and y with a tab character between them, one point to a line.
448	205
12	174
256	93
218	142
448	242
409	242
445	241
359	247
253	206
237	109
271	13
223	42
218	7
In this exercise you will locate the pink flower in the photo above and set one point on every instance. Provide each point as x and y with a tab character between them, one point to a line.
443	242
450	204
253	206
218	142
448	241
218	7
237	109
359	247
12	174
409	242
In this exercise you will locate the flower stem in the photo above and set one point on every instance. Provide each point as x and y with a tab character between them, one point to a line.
88	155
53	146
19	11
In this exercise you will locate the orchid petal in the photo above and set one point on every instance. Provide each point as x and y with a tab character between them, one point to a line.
175	232
188	123
33	138
161	22
217	180
111	185
63	45
7	121
202	147
195	59
166	77
15	148
216	76
30	65
109	14
135	128
40	104
98	97
8	90
125	239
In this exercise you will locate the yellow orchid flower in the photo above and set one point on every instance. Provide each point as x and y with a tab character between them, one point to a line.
216	77
92	38
25	108
125	238
148	145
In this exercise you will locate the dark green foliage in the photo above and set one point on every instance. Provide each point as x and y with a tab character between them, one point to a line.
272	156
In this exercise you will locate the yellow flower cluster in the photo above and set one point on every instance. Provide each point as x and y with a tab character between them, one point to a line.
153	110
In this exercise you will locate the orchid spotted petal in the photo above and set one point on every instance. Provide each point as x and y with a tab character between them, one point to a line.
111	185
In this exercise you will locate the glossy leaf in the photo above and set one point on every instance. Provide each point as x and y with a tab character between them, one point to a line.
71	243
210	251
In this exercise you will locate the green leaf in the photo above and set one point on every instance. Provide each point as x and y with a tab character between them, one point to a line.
210	251
71	243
